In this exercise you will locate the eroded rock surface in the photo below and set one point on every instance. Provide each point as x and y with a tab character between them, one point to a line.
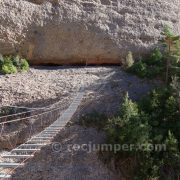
79	31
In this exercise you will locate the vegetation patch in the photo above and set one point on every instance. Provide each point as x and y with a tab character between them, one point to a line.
155	120
152	123
13	64
165	62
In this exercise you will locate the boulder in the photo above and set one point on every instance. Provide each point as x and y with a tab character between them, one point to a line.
83	32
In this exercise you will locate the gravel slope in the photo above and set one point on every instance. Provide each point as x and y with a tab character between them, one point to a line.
41	84
47	83
106	87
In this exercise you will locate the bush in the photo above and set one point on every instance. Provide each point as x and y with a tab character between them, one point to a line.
172	155
8	68
129	60
175	70
139	68
175	85
166	64
128	109
172	49
130	126
155	120
156	58
16	62
24	65
150	68
154	71
175	59
8	60
10	64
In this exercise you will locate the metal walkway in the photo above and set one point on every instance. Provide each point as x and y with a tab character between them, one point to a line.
25	151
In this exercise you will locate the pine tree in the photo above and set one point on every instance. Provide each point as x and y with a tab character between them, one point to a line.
171	43
175	84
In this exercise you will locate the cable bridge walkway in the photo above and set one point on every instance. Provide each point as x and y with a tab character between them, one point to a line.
19	156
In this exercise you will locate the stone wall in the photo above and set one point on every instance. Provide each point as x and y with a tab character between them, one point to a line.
79	31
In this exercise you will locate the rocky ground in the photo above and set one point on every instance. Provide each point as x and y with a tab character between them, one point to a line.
41	84
105	88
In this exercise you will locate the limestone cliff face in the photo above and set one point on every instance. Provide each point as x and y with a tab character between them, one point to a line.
79	31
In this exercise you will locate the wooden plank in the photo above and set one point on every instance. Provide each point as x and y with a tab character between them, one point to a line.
10	165
39	137
30	145
17	156
5	176
25	150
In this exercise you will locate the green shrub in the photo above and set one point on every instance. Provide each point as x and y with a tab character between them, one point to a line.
10	64
163	111
175	59
150	68
134	131
9	68
172	155
8	60
156	58
128	109
171	43
129	60
175	85
139	68
24	65
16	62
129	127
175	70
154	71
155	120
165	64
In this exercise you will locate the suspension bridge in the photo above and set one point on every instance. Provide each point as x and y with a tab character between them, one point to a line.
18	156
51	122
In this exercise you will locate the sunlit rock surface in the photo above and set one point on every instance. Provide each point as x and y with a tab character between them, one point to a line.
79	31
